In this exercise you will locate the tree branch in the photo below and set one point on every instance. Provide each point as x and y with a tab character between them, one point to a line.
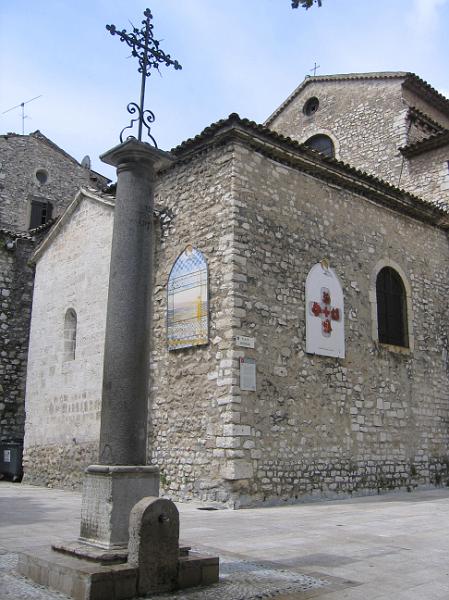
305	3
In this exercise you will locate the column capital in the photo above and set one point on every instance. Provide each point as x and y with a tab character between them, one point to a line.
137	152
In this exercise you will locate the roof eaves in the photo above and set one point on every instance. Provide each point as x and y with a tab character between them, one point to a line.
433	142
21	235
414	83
300	156
416	114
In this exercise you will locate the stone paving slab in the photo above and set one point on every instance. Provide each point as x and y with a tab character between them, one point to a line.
394	546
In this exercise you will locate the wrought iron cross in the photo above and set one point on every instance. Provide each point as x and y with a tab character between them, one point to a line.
146	49
315	69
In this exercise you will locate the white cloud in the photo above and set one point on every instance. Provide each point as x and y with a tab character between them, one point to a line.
424	16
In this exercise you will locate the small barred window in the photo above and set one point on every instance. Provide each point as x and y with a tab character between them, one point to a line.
70	324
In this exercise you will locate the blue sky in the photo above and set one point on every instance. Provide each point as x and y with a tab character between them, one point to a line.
241	56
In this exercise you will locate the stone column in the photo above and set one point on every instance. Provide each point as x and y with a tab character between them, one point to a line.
123	439
121	479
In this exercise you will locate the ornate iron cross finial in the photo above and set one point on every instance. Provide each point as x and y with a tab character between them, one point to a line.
150	56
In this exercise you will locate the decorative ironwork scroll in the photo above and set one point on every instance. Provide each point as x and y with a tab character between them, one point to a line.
187	301
146	49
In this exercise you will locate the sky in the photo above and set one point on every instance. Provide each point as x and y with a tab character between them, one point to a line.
243	56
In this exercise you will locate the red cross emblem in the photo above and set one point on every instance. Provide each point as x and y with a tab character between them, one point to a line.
325	311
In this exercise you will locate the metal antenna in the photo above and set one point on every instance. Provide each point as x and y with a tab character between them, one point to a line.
22	105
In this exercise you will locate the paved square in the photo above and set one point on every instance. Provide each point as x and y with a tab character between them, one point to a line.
371	548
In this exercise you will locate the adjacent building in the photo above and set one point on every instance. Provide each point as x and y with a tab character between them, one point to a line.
37	181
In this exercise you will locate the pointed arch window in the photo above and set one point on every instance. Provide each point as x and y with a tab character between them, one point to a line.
187	301
70	326
391	308
321	143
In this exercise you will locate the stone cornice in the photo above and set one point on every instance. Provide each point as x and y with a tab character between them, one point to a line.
431	143
415	114
298	156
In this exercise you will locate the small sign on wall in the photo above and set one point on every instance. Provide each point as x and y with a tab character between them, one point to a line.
248	374
244	341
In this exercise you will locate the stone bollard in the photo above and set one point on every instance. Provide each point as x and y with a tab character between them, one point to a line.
153	546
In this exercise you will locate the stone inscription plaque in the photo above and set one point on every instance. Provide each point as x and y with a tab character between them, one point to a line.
248	374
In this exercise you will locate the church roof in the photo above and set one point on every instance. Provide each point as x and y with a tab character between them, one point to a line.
410	80
38	135
439	140
290	152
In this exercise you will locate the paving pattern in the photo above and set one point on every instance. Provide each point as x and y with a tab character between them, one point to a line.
239	580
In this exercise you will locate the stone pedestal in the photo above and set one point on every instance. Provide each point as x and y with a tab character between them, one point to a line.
153	563
109	494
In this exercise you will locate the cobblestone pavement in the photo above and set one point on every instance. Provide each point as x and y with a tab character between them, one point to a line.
387	547
238	580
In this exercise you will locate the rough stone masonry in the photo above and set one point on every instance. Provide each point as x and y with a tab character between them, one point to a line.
263	210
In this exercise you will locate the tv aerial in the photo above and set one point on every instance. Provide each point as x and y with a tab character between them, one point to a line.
22	106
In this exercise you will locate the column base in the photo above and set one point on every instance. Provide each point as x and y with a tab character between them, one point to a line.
109	494
87	579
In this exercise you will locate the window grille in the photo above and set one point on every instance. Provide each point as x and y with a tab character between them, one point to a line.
391	308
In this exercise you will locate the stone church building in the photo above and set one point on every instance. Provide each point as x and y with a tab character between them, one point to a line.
37	182
301	314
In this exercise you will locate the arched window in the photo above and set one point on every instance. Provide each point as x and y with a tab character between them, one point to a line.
391	308
322	143
70	323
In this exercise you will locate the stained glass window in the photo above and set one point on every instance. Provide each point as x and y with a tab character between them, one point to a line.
187	301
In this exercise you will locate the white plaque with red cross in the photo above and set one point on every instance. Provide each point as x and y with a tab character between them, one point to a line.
325	325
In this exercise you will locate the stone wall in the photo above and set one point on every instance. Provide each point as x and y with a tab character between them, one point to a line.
16	290
427	175
21	157
377	419
63	396
365	118
411	98
192	388
368	121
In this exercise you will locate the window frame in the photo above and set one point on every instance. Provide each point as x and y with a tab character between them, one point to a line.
408	317
45	205
322	134
69	341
